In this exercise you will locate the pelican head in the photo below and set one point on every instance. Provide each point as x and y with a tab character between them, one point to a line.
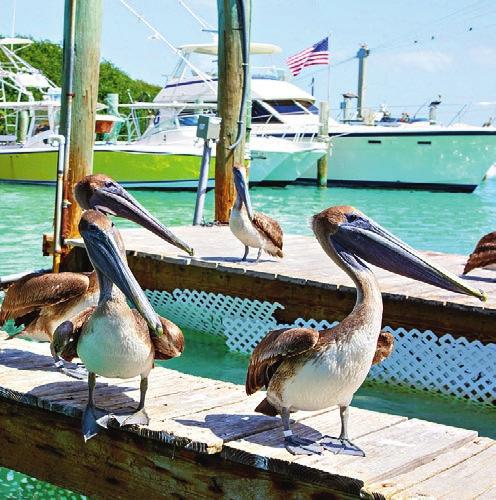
100	192
102	242
349	237
241	184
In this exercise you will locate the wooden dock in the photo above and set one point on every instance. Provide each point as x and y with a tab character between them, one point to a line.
306	282
204	441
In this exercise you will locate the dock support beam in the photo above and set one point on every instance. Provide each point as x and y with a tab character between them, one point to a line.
322	163
230	89
87	35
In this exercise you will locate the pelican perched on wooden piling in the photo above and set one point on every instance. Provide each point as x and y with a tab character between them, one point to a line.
42	301
112	339
306	369
253	229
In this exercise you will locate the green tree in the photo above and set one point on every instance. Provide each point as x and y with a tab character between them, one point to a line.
47	57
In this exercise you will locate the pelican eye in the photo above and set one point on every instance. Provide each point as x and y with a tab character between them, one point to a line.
351	217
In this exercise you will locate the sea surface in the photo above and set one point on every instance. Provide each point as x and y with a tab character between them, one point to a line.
430	221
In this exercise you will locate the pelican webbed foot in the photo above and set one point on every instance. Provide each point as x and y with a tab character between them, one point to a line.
340	446
139	417
94	419
302	446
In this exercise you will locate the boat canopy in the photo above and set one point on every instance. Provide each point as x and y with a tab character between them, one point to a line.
15	41
211	48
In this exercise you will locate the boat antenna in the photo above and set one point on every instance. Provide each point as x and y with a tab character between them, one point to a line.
207	79
205	26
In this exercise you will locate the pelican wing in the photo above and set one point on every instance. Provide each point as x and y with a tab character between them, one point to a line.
66	335
170	344
41	290
483	254
269	227
272	350
385	346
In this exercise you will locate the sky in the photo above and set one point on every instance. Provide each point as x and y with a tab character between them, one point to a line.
419	49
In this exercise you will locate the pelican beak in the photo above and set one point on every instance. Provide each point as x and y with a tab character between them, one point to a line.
113	199
104	253
242	189
367	240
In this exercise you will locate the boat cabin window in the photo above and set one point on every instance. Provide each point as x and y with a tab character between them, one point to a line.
261	115
292	106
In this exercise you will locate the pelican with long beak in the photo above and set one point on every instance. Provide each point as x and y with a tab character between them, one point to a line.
253	229
306	369
112	339
41	302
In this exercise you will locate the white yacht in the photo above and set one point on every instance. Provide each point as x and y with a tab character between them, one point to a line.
368	153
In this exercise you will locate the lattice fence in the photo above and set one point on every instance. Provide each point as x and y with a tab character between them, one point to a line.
421	360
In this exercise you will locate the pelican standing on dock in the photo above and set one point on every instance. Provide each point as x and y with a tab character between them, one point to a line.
42	301
253	229
111	339
306	369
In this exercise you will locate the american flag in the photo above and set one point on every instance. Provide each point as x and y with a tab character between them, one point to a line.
316	54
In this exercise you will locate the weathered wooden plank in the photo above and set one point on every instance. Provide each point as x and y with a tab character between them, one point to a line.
269	445
468	479
394	447
398	449
393	486
124	465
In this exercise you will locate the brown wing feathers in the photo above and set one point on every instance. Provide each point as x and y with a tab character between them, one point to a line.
40	290
270	228
483	254
272	350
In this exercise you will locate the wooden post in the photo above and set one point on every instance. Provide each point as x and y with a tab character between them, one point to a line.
229	101
88	26
322	163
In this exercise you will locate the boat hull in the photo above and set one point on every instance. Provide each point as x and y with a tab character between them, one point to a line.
136	169
454	162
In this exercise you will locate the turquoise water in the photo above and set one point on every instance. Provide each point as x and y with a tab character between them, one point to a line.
447	222
436	221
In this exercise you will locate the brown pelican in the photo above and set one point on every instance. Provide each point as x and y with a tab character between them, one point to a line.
305	369
42	301
484	253
253	229
112	339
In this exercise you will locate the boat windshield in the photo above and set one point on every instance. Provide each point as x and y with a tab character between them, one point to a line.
293	106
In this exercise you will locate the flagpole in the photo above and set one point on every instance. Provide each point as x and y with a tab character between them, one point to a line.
328	71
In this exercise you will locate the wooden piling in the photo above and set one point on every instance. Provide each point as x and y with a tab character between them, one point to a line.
230	85
88	21
322	163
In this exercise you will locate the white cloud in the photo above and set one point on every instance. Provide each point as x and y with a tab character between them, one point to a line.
425	60
483	54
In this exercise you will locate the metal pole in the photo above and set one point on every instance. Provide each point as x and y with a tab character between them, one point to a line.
362	54
57	233
202	183
65	127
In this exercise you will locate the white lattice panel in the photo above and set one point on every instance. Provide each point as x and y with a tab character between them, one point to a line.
421	360
448	365
209	312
